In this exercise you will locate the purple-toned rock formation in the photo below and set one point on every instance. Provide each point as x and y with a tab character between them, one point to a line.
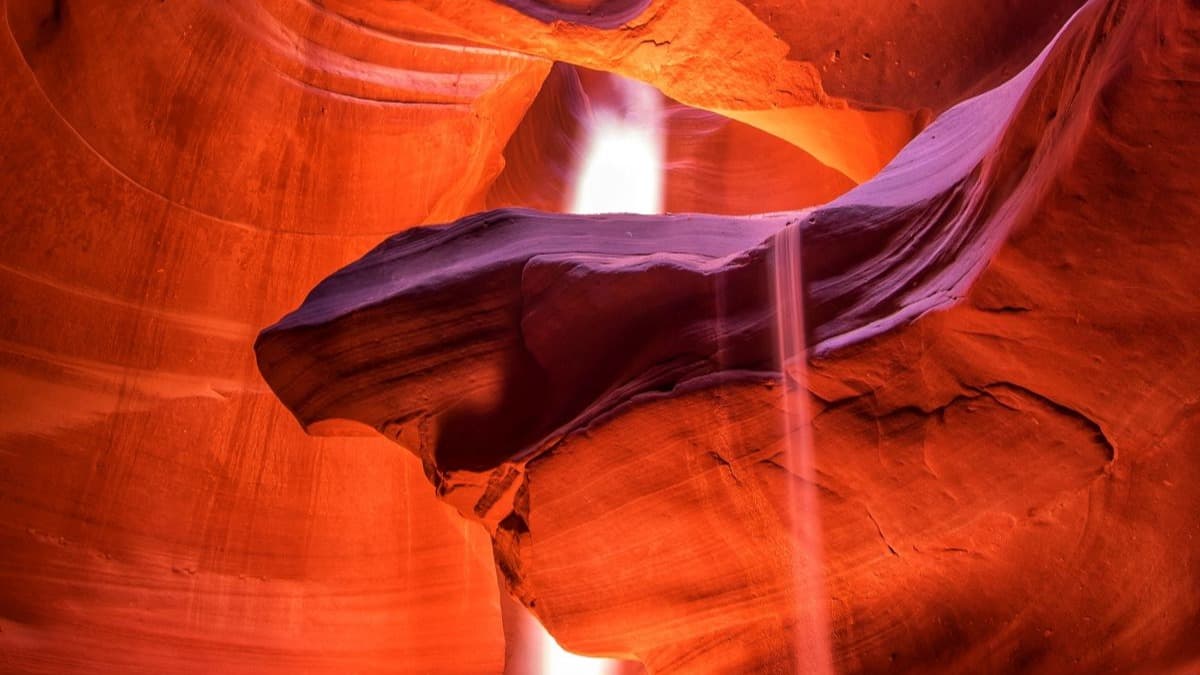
551	371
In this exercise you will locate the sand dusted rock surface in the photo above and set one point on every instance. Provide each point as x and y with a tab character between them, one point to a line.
585	413
1003	484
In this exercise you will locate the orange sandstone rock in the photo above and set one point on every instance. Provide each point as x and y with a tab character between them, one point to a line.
997	481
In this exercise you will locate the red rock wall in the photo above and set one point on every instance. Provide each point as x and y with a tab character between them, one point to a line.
174	176
1006	486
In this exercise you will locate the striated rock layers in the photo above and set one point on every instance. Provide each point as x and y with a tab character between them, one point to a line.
174	174
1005	485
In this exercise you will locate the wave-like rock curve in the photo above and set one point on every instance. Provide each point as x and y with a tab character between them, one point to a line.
601	392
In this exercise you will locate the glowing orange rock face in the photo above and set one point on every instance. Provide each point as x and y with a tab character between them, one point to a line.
1004	486
174	176
712	164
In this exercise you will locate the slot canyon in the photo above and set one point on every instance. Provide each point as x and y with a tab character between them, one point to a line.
600	337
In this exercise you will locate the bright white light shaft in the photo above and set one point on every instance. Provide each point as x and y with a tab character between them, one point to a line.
621	172
622	164
558	661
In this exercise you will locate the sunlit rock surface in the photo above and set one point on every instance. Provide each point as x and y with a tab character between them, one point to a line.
999	482
174	176
1007	485
713	164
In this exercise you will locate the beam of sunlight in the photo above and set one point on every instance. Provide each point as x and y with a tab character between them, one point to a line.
621	171
558	661
622	164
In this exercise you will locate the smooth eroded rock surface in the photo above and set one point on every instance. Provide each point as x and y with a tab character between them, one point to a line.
1002	484
1002	328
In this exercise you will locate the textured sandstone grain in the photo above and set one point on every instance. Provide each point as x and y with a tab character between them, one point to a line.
1005	486
1000	483
174	175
